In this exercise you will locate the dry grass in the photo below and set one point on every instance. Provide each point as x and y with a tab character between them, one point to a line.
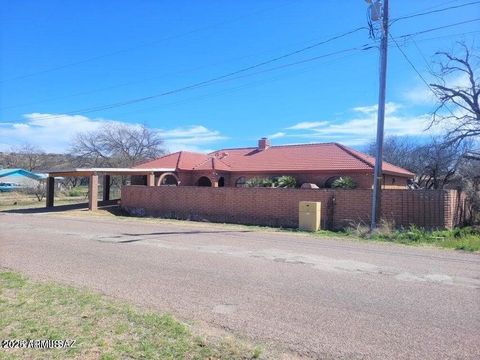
103	328
17	200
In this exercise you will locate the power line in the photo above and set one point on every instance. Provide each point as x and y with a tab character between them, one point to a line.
215	79
245	69
129	83
438	28
418	73
448	36
135	47
434	11
89	92
232	89
178	72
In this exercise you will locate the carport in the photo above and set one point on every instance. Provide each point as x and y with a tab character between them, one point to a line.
93	174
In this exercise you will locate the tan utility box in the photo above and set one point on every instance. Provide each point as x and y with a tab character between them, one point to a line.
309	215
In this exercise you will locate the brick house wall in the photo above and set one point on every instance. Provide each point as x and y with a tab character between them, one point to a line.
364	180
279	207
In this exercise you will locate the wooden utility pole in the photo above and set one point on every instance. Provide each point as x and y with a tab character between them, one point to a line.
378	176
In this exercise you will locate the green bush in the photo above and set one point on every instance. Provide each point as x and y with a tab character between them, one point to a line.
76	192
282	181
344	182
255	182
286	182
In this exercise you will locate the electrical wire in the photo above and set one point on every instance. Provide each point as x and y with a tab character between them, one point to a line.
418	72
139	46
433	11
438	28
246	69
217	80
316	44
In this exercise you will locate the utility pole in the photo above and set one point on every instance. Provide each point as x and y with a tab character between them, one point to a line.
378	176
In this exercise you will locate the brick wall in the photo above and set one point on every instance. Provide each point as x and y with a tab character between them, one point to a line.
279	207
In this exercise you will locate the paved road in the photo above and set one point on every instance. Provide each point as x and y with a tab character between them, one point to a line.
319	298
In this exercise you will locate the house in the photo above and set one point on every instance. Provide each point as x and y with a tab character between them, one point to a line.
21	177
319	164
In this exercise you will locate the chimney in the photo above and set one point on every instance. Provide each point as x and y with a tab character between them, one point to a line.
263	144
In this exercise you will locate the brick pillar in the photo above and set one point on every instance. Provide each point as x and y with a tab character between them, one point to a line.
151	179
106	187
50	191
93	192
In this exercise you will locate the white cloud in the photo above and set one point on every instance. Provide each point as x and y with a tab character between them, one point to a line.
191	138
307	125
361	127
390	108
277	135
54	132
50	132
422	95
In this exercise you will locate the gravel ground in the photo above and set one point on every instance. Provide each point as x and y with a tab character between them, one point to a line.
301	295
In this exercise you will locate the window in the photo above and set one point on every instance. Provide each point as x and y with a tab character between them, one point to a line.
169	180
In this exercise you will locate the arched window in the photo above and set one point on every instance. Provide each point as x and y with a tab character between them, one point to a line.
204	181
169	180
241	181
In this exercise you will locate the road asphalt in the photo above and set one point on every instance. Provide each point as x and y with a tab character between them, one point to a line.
303	296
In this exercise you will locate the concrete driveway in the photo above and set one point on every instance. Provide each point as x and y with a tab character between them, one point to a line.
318	298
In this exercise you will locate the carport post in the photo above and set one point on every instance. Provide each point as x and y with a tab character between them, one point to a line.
151	179
50	191
106	187
93	192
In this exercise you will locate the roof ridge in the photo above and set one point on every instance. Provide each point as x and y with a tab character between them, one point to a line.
201	163
352	153
151	160
177	166
273	146
221	160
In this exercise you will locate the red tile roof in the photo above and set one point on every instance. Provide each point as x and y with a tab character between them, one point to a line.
287	158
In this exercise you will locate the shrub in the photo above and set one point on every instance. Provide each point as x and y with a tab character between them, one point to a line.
255	182
286	182
344	182
39	190
76	192
282	181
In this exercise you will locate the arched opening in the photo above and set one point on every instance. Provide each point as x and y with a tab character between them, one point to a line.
204	181
168	179
330	180
241	181
221	182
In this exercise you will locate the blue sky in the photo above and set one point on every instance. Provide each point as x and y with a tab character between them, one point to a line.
59	57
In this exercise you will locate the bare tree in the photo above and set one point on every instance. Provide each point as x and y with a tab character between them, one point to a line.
437	163
434	162
458	107
25	156
397	150
117	145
